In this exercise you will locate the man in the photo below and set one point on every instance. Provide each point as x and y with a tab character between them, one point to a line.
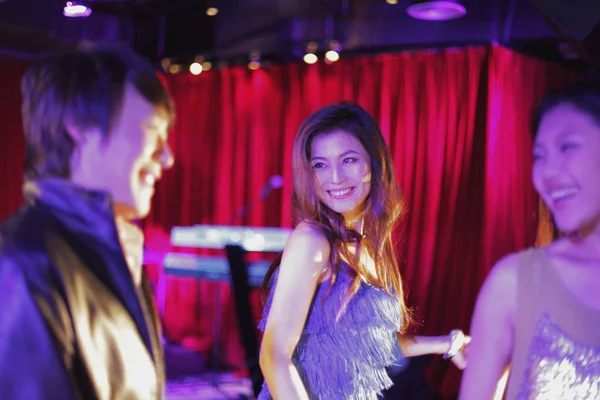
77	319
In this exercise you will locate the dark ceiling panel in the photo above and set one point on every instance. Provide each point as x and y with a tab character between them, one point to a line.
280	28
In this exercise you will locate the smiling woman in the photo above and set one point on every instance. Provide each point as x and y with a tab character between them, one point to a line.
539	310
335	316
566	149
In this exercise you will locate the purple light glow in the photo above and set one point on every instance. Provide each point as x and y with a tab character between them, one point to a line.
73	10
436	10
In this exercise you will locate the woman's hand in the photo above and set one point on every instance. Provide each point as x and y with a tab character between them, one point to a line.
460	359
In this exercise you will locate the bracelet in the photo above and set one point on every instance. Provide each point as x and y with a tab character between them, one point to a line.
457	341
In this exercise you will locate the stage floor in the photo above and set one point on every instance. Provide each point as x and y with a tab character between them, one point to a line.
188	378
209	387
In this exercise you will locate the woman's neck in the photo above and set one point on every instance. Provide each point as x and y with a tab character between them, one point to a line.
356	224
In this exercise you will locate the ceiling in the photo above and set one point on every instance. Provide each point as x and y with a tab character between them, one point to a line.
277	29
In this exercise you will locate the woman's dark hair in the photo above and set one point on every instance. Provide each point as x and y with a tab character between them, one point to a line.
583	95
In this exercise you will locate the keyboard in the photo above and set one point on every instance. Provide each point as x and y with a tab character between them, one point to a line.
212	268
258	239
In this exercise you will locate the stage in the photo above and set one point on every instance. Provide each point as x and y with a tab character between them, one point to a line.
189	378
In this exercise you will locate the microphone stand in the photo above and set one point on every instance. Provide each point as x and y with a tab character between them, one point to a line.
241	292
243	211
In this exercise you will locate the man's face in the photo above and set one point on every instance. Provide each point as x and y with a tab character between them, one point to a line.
128	163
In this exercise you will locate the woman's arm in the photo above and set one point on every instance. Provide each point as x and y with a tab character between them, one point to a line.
413	346
305	257
492	329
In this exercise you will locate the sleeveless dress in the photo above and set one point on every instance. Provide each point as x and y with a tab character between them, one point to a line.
346	359
556	354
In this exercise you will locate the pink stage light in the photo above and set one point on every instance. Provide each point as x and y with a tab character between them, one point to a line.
73	10
436	10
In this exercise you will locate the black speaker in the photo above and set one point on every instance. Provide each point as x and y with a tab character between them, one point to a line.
578	22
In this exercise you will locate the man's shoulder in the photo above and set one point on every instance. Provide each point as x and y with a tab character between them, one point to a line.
23	230
22	248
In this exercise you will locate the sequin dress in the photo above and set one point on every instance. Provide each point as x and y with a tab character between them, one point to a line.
556	355
346	359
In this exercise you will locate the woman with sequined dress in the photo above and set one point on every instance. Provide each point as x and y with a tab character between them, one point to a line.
335	312
537	317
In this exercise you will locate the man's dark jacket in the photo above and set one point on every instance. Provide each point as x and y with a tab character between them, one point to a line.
73	325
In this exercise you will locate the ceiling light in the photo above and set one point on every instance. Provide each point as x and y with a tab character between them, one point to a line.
436	10
196	68
73	10
310	58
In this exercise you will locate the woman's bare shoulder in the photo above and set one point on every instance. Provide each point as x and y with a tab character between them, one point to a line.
308	245
310	233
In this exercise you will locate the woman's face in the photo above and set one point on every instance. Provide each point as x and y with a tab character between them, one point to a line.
566	169
342	171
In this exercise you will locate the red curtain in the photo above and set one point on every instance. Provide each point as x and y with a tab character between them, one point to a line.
456	122
12	143
501	213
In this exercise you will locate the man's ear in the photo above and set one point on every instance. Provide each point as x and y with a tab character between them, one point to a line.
88	135
75	132
84	140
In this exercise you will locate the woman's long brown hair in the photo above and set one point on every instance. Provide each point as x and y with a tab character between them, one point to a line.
384	205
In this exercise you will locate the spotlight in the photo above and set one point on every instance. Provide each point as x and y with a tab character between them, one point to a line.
311	47
392	2
165	63
206	66
212	11
254	63
73	10
332	56
335	45
436	10
310	57
196	68
334	52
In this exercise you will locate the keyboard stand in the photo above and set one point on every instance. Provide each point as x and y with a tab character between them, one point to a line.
247	329
236	240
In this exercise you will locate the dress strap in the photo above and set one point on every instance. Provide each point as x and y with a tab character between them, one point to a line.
528	280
